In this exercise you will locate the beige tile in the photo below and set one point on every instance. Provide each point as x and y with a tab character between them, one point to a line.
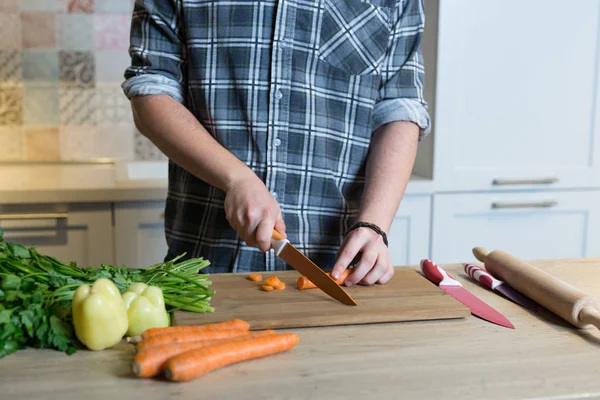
42	144
11	144
9	6
38	30
89	142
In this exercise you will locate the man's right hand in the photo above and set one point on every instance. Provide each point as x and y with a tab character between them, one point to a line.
253	212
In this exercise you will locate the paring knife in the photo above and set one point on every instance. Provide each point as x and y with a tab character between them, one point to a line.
288	253
454	288
486	279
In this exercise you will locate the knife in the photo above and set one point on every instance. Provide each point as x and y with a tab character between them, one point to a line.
454	288
486	279
288	253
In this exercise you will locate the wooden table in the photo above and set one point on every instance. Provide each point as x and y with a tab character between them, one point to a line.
543	358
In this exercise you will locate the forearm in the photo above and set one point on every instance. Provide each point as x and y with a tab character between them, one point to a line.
389	166
179	135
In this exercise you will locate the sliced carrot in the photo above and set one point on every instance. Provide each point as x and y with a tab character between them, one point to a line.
304	283
233	324
267	288
185	337
280	286
255	276
151	361
195	363
272	281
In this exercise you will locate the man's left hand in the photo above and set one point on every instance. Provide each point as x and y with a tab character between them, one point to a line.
374	262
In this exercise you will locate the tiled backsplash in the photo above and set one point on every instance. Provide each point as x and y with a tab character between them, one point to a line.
61	67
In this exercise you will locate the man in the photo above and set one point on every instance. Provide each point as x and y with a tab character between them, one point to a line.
302	116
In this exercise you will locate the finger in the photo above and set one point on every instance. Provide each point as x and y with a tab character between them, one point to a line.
366	263
375	273
347	252
280	225
385	278
264	231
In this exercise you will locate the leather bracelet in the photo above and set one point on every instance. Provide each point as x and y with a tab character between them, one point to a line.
361	224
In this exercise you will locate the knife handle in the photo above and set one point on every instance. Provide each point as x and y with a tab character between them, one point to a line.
482	276
436	274
278	241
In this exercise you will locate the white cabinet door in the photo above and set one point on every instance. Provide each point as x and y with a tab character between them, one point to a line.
410	231
516	94
79	233
139	234
537	225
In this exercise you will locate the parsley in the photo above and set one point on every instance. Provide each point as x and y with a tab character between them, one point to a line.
36	291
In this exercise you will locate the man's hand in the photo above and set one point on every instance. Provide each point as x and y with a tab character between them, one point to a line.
374	263
253	212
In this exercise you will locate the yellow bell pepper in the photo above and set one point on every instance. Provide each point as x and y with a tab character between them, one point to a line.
145	308
99	315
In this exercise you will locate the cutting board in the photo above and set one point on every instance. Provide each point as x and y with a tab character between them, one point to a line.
408	296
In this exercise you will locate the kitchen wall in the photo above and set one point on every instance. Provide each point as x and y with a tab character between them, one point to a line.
61	66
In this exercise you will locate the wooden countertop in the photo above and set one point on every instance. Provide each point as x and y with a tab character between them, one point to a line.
543	358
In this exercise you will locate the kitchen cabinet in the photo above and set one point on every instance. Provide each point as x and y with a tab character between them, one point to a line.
139	233
408	237
534	225
82	233
516	86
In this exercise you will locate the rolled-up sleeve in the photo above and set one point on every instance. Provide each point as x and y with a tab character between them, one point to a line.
157	50
401	91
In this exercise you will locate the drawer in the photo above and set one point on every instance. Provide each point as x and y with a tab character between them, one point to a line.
535	225
410	231
79	233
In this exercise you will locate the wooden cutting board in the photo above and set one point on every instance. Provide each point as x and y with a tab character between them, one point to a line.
408	296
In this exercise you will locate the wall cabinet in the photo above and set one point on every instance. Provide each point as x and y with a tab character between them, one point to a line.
82	233
516	94
139	234
539	225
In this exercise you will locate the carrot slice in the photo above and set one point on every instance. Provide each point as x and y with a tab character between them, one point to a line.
304	283
195	363
185	337
280	286
267	288
272	281
255	276
151	361
233	324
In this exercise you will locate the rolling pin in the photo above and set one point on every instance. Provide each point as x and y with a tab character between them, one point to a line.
564	300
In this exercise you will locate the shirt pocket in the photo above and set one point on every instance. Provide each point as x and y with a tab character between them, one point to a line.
354	36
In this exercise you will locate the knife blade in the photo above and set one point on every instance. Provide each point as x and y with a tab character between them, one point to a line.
486	279
288	253
454	288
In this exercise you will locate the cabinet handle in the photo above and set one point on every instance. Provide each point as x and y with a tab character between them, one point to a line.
34	216
539	181
534	204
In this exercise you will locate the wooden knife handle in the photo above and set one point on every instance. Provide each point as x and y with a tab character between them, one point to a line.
566	301
277	236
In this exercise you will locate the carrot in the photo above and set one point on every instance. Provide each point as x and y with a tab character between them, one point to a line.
272	281
304	283
267	288
195	363
150	362
186	337
280	286
255	276
233	324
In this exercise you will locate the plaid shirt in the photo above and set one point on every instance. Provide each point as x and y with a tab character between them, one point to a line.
294	89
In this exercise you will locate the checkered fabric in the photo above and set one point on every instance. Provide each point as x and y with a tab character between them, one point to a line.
294	89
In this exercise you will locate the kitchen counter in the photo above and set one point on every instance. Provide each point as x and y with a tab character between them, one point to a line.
102	182
543	358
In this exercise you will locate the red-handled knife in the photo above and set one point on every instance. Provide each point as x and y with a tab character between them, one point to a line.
486	279
454	288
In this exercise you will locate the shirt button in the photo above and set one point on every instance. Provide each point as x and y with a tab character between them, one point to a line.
278	94
274	194
277	142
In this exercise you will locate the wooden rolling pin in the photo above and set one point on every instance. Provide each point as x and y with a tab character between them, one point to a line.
564	300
